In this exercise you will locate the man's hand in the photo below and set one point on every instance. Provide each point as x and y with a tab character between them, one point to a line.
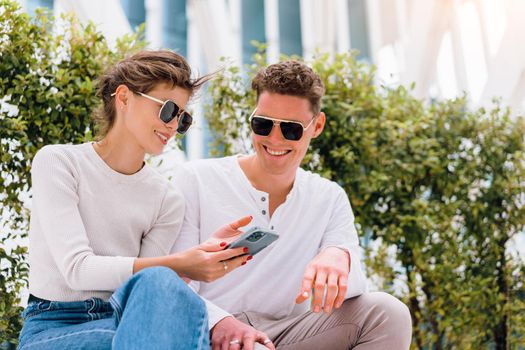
232	334
328	269
231	231
227	233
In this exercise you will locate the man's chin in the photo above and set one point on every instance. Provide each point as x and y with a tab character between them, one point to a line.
273	168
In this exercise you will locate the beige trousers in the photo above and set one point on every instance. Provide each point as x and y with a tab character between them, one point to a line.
372	321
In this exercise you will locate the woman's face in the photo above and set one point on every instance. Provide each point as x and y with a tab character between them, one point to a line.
141	120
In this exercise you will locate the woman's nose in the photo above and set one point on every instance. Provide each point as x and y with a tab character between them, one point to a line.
173	124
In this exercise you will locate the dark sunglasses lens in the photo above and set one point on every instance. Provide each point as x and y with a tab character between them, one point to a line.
291	131
261	126
184	122
168	111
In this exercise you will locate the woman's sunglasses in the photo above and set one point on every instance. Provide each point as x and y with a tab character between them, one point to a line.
291	130
169	111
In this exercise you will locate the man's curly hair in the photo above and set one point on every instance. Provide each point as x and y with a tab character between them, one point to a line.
291	78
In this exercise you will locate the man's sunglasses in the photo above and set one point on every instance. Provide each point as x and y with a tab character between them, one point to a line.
169	111
291	130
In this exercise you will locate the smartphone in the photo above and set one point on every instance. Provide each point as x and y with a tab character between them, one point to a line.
255	239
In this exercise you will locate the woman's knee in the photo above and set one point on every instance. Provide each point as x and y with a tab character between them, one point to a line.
159	277
157	272
163	281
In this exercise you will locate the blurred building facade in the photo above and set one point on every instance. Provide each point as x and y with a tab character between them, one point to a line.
445	46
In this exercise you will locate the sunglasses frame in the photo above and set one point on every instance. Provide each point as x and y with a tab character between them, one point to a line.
163	103
277	121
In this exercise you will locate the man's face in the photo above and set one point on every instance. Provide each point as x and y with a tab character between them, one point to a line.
276	154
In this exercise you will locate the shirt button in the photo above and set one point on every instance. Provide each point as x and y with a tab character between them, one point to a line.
263	198
271	228
264	212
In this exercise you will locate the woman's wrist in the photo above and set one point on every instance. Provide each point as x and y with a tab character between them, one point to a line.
173	261
176	263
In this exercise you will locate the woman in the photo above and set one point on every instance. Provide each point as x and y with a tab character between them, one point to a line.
103	223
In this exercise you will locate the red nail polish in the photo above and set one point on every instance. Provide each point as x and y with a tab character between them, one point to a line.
244	263
245	250
223	244
249	258
251	217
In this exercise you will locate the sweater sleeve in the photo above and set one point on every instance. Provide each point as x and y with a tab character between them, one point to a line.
55	206
341	233
159	240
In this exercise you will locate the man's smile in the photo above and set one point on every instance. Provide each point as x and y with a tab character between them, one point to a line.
275	152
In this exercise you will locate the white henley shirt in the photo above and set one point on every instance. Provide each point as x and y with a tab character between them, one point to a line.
316	215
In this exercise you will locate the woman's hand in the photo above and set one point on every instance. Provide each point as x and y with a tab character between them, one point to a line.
210	260
207	266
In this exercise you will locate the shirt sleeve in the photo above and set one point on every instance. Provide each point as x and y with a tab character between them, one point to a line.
190	233
215	313
341	233
159	240
55	205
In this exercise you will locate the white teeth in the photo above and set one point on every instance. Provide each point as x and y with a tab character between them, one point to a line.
162	136
276	153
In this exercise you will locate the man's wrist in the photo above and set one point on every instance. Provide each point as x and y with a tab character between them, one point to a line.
225	318
343	250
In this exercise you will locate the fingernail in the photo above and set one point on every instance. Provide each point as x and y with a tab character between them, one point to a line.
243	263
251	217
328	310
249	258
317	309
223	244
305	294
245	250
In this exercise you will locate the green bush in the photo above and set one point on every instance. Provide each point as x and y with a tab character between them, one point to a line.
47	72
437	189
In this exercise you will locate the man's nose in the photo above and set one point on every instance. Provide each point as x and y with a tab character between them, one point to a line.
276	133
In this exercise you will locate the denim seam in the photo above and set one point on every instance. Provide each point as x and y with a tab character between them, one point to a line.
116	307
65	336
202	329
91	309
38	309
33	313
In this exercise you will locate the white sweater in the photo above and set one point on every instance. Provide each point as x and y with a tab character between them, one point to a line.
89	223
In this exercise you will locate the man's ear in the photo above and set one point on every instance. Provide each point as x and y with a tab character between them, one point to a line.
319	124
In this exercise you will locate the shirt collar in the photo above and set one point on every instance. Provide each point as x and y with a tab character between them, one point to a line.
244	181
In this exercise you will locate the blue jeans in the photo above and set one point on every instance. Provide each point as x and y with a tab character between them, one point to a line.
154	309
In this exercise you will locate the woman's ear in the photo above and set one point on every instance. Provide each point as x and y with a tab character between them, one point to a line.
319	124
121	96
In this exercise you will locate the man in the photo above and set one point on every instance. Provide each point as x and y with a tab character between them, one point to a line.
265	301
